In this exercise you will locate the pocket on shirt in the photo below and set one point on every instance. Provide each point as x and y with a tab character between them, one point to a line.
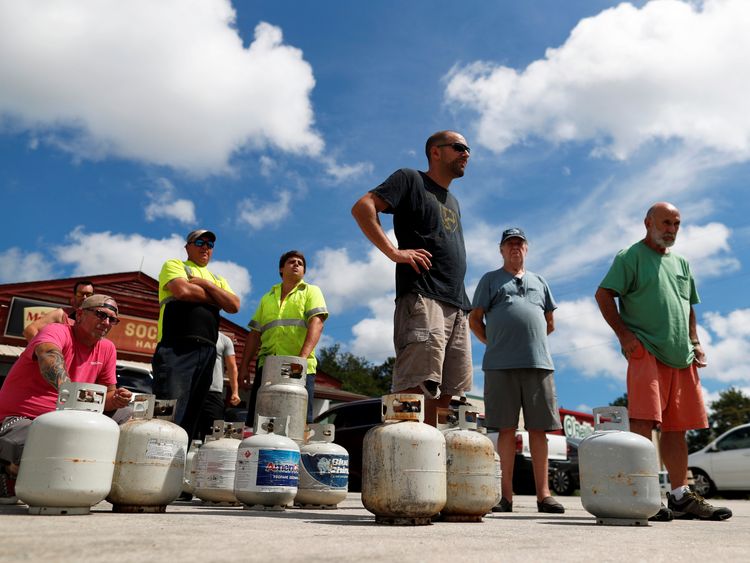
683	286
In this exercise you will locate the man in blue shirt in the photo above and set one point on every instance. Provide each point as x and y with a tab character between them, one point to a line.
513	314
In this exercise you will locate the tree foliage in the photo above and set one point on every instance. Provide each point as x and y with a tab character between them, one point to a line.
621	401
357	374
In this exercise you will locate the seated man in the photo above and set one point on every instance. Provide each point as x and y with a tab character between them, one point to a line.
57	354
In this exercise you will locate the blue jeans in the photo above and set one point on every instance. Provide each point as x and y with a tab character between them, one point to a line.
184	371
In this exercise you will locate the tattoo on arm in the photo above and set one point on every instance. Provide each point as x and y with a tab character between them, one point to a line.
52	368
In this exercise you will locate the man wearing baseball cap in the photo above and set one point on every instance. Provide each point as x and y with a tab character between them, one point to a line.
517	307
57	354
190	299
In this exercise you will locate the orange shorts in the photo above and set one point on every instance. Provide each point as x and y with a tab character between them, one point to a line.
667	395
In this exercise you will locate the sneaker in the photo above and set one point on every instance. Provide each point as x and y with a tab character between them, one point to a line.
550	506
692	505
503	506
664	515
7	488
431	389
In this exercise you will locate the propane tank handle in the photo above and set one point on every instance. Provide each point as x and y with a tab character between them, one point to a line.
143	405
272	425
618	415
446	419
403	406
467	417
81	397
321	432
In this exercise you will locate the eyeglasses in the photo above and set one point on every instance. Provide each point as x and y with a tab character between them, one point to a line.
203	242
520	287
458	147
102	316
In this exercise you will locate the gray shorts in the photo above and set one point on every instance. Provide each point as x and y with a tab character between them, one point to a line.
506	391
432	342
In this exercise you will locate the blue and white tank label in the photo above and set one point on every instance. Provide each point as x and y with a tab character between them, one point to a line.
277	468
329	470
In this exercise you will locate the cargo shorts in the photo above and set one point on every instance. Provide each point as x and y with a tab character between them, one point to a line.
433	342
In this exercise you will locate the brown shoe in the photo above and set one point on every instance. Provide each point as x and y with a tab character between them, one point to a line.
503	506
550	506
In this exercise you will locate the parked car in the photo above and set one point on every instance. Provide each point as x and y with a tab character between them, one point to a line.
352	421
724	464
563	474
134	378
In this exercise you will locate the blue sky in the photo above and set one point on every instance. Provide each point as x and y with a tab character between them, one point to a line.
125	125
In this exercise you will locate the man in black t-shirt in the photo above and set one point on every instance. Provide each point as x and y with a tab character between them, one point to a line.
431	330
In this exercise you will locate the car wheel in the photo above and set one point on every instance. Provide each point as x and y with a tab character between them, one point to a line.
561	482
703	484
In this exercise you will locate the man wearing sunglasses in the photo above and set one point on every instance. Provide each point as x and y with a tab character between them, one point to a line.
512	315
431	330
190	298
81	290
57	354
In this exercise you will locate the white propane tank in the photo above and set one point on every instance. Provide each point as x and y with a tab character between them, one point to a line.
267	467
470	466
283	393
68	460
498	479
323	470
403	464
188	483
619	471
215	463
150	462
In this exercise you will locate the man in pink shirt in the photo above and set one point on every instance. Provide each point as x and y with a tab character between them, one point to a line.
57	354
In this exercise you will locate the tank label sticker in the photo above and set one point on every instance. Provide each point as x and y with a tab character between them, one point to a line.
215	469
165	450
278	468
329	470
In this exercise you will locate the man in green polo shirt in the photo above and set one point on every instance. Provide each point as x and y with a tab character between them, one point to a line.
190	298
288	322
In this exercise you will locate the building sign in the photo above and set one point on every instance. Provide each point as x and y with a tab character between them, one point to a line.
25	311
133	334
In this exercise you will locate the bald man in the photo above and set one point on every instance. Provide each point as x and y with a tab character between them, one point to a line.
656	327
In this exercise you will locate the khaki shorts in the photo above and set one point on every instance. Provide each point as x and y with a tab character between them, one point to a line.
507	391
664	394
432	342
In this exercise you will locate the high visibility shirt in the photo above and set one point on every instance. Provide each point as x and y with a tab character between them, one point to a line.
179	319
283	325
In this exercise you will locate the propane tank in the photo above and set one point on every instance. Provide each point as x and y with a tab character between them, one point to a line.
68	460
188	483
403	464
323	471
150	461
283	393
619	471
215	465
498	480
470	466
267	467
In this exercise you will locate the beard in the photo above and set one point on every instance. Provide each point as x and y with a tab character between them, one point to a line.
661	240
458	167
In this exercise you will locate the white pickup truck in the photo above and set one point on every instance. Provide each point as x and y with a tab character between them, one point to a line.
523	475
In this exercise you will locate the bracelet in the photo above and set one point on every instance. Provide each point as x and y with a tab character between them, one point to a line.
695	342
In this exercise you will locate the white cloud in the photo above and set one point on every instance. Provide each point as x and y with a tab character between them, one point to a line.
267	166
623	78
105	252
346	172
260	215
726	340
582	341
165	204
167	83
18	266
707	246
349	282
373	337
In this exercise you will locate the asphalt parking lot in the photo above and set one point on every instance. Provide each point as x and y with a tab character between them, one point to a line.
193	532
